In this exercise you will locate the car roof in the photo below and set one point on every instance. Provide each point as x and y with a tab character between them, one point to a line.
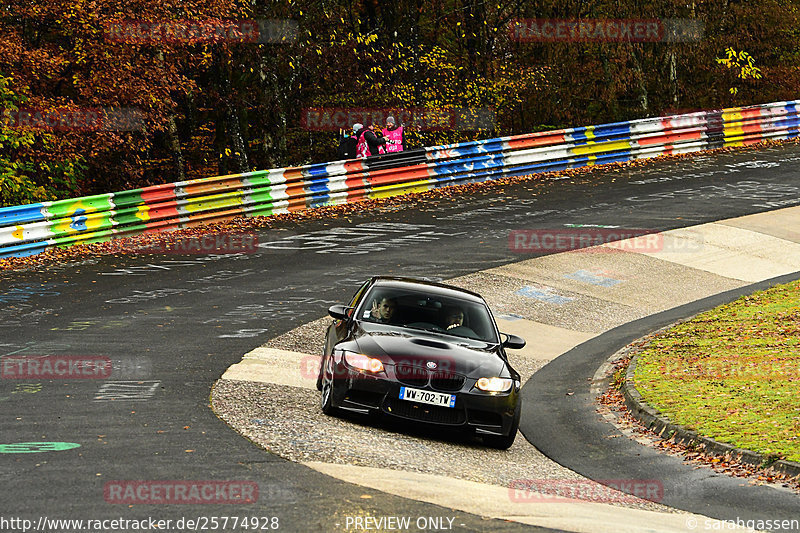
439	289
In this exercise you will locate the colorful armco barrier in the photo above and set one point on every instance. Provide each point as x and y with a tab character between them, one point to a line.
30	229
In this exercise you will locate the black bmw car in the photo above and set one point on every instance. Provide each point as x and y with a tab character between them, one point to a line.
422	351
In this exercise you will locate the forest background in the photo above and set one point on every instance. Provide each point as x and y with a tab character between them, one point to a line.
214	107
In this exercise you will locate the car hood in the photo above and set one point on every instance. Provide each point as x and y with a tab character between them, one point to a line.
418	348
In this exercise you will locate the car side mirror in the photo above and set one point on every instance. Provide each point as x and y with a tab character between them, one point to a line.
338	311
513	342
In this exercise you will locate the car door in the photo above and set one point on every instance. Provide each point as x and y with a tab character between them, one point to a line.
340	328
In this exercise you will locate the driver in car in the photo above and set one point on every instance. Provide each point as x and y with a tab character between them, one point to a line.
454	317
383	310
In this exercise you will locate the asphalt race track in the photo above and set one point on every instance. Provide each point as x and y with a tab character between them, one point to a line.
171	325
568	429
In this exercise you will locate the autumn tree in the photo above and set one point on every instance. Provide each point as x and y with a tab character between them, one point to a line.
209	106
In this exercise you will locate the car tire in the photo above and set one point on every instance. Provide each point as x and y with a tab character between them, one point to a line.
319	374
326	399
504	442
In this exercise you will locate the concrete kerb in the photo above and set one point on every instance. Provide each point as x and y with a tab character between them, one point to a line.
486	500
660	424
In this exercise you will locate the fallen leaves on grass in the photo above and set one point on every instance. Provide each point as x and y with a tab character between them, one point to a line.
613	401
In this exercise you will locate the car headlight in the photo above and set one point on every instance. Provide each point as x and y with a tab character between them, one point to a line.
363	362
494	384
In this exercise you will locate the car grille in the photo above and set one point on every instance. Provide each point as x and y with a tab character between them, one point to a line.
411	375
425	413
445	381
415	376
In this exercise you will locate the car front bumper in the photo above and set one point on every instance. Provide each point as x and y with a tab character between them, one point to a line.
477	411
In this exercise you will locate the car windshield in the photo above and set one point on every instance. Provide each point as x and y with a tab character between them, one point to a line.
420	310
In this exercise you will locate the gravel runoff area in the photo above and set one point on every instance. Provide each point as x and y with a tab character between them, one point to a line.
287	421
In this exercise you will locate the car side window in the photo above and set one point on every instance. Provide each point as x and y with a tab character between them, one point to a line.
356	298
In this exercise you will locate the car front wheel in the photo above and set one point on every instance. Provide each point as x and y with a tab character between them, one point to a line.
319	374
504	442
326	400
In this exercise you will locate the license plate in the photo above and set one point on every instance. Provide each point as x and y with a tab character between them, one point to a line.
429	397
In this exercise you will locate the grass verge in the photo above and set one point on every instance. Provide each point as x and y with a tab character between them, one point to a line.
732	373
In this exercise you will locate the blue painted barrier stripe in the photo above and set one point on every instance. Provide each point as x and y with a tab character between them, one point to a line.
21	214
